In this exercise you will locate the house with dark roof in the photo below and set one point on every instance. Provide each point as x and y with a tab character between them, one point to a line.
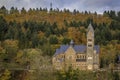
82	57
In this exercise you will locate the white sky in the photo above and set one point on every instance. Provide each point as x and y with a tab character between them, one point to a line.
81	5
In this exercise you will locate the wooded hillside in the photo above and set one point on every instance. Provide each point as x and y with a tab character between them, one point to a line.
40	31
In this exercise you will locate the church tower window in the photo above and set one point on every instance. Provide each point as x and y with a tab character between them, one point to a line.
89	39
89	45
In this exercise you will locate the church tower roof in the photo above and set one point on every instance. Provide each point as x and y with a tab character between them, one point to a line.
90	28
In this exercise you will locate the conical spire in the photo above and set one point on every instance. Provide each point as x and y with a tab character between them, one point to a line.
90	28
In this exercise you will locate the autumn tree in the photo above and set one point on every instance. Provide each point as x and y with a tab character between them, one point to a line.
6	75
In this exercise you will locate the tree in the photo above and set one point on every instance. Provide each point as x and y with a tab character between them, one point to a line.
69	74
53	40
10	33
6	75
66	23
36	63
118	17
3	10
65	41
28	56
11	47
95	13
112	14
23	11
3	27
47	50
35	40
14	10
86	12
116	76
74	11
105	13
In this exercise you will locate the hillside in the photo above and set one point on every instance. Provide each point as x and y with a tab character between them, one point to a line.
32	36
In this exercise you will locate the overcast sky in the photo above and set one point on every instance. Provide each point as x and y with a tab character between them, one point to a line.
81	5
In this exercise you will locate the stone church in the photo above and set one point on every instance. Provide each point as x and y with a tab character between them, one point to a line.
82	57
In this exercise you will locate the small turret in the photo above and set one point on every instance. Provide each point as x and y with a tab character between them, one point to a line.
71	43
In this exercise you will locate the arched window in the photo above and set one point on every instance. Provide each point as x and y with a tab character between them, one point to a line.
89	39
77	56
89	45
83	57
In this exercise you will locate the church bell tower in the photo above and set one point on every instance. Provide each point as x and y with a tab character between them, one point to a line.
90	47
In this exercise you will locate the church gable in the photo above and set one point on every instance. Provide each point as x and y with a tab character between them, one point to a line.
70	51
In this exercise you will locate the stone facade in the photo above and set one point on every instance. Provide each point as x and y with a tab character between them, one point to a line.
78	56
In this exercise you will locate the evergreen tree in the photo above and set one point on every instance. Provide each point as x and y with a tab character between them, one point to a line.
65	41
23	11
53	40
3	10
3	28
12	10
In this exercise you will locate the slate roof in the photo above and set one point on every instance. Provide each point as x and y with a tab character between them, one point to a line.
97	48
77	48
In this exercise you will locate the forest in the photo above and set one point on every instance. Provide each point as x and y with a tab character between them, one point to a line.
29	38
